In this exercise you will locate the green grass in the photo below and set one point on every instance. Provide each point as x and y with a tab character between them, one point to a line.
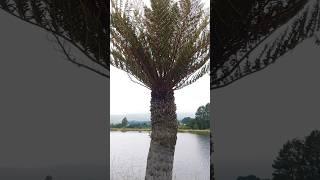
130	129
195	131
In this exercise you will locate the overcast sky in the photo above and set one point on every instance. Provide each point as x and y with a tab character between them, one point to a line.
256	115
127	97
52	112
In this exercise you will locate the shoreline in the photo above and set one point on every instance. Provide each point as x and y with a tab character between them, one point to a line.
194	131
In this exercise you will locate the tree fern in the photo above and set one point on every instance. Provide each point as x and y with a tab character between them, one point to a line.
271	29
78	23
165	46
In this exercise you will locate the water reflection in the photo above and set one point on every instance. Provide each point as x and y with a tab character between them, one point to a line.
129	151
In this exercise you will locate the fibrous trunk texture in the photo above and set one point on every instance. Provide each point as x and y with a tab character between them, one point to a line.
211	158
163	136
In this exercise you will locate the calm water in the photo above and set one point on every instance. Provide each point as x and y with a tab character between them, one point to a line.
129	151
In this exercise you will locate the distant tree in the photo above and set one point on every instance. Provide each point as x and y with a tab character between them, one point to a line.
118	125
186	120
299	159
207	107
203	112
250	177
290	162
195	125
139	125
201	120
124	122
48	178
202	117
312	155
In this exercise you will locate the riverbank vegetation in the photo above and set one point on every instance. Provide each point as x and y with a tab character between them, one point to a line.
195	131
199	125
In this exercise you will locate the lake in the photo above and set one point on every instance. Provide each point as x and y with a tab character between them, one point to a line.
129	151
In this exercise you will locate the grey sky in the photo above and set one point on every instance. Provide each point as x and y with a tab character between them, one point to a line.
255	116
52	112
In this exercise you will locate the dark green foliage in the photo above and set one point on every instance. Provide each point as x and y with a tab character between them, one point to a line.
201	120
312	155
290	162
124	122
119	125
186	120
132	124
203	116
299	159
48	178
250	177
194	125
250	35
139	125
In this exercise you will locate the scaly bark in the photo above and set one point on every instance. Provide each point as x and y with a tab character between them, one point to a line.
211	158
163	136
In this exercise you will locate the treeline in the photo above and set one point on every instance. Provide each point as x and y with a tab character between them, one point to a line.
201	121
299	159
250	177
132	124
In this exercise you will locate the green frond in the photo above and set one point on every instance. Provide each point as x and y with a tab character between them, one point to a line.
298	21
83	24
194	77
163	45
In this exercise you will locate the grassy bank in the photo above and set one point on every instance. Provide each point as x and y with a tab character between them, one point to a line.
195	131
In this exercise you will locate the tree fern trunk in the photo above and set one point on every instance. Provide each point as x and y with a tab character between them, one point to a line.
211	158
163	136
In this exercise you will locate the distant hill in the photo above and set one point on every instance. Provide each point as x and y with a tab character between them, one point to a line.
133	122
142	117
